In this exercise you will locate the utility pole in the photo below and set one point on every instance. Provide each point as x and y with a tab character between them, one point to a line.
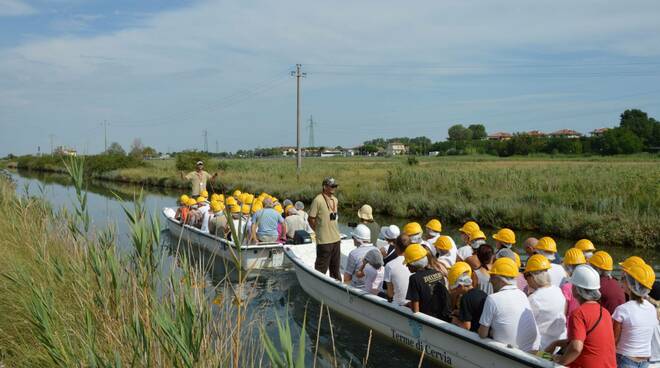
298	75
205	134
51	136
105	135
311	132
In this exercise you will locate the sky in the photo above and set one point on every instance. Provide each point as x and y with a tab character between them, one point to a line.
165	71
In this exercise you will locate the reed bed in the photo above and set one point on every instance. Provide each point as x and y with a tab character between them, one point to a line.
69	298
611	201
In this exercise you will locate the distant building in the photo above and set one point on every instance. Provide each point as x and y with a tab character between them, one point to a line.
65	151
566	133
332	153
434	153
396	149
598	132
499	136
289	151
535	133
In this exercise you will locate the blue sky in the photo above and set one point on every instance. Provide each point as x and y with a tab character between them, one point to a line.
164	71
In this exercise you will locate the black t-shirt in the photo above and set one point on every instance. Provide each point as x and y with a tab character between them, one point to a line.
471	306
426	287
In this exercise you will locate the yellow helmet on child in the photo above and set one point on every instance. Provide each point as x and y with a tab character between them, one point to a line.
469	227
204	194
457	270
201	199
245	209
183	199
585	245
504	266
546	244
630	261
644	274
413	253
537	262
443	243
574	257
602	260
505	236
412	228
434	225
477	234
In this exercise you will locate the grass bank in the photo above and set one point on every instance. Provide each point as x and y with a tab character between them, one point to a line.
69	298
613	201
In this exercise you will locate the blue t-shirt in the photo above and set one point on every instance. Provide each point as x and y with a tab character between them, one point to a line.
267	220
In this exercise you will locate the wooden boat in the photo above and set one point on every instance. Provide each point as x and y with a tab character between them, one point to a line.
442	342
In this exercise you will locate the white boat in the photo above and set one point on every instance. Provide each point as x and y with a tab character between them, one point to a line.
442	342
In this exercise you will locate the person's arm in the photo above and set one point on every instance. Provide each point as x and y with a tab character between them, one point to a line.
253	233
390	291
311	215
617	331
556	344
484	331
347	278
182	177
572	352
414	306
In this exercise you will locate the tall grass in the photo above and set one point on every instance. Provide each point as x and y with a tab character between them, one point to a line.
69	298
611	201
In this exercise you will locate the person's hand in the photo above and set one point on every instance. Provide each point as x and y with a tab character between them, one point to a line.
360	274
214	175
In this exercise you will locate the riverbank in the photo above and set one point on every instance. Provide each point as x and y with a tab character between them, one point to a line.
69	297
609	200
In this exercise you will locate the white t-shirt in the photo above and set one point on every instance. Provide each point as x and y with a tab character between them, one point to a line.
655	345
557	274
637	324
373	279
483	281
464	252
548	305
354	262
510	318
398	275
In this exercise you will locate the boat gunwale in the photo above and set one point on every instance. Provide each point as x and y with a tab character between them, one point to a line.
527	358
224	242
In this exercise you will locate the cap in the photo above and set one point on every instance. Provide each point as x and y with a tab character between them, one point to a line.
330	181
199	163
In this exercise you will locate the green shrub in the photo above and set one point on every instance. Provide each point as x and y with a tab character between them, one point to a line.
185	161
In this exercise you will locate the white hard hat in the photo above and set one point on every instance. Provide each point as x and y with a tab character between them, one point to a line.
390	232
585	277
361	232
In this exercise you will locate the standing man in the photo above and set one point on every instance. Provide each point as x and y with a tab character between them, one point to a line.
323	219
198	179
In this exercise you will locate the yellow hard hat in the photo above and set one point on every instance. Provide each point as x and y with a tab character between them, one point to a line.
217	207
546	244
585	245
414	252
457	270
602	260
256	206
477	234
518	263
230	201
642	273
279	208
191	202
288	207
249	199
412	228
505	236
434	225
184	198
204	194
632	260
215	197
237	193
201	199
443	243
274	199
235	208
469	227
221	197
245	209
537	262
504	266
573	257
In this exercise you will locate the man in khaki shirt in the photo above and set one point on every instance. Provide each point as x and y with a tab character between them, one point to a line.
323	219
198	179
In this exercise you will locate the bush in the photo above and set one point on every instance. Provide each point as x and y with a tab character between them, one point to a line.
94	164
185	161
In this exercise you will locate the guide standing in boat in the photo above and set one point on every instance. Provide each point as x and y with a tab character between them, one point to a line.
323	219
198	178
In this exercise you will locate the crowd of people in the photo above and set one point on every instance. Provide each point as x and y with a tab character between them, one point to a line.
571	309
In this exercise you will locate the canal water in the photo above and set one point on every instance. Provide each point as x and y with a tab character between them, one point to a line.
275	292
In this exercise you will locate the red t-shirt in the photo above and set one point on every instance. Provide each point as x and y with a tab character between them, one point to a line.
599	349
612	294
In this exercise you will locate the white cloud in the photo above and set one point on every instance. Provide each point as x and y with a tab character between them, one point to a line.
15	8
179	61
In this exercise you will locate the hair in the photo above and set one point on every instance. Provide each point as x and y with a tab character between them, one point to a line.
420	263
637	291
485	254
569	269
268	203
602	272
541	278
402	242
506	280
587	295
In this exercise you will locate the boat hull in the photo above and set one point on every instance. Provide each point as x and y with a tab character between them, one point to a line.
441	342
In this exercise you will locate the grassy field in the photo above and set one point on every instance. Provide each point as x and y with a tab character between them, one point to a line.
609	200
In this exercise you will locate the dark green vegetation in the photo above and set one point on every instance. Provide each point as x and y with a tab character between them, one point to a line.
94	164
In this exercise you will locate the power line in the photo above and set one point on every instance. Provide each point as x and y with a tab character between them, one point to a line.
310	141
205	134
298	74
